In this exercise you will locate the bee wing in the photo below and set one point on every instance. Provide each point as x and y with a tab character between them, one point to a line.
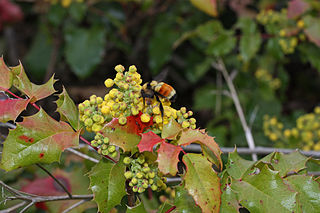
162	75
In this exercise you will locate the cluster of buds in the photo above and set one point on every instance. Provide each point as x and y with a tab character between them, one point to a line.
142	175
104	148
306	134
93	118
264	76
124	99
287	31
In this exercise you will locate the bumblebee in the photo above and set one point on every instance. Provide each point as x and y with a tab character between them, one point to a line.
158	89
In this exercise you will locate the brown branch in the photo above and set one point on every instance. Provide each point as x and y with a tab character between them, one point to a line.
84	156
13	208
51	198
55	179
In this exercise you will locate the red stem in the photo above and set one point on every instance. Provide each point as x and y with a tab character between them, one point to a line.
171	209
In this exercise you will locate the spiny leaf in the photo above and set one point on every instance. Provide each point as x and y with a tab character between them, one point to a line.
168	158
286	163
200	136
165	207
38	139
11	108
148	140
237	166
265	191
171	130
308	192
107	182
6	76
207	6
138	208
184	202
202	182
125	136
68	110
33	91
229	202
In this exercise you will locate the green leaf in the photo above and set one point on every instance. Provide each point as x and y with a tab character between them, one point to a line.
164	208
77	10
265	191
287	163
202	182
138	208
33	91
6	76
56	14
237	166
107	182
210	7
68	110
311	53
222	45
161	44
38	139
247	25
312	29
184	201
84	49
229	201
249	45
39	55
201	137
308	192
210	30
171	130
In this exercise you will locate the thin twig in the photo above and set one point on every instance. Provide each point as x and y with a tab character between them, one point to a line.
27	207
221	67
50	198
80	154
10	189
74	206
8	125
219	95
12	208
55	179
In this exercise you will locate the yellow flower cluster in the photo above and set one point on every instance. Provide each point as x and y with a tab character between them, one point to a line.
124	99
264	76
305	135
64	3
287	31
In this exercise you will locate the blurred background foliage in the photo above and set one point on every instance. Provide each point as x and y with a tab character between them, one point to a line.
270	48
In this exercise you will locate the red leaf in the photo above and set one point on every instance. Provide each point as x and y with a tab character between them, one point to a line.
11	108
9	12
297	8
168	158
148	140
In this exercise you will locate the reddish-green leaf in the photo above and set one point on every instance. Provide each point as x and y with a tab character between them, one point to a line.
229	202
297	8
148	140
6	76
308	192
265	191
207	6
168	158
11	108
200	136
202	182
171	130
312	29
33	91
38	139
107	182
184	202
68	110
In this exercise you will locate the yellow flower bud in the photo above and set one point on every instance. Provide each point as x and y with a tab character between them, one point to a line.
287	133
122	120
145	118
185	124
119	68
96	127
300	24
109	82
132	69
273	137
156	110
282	33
